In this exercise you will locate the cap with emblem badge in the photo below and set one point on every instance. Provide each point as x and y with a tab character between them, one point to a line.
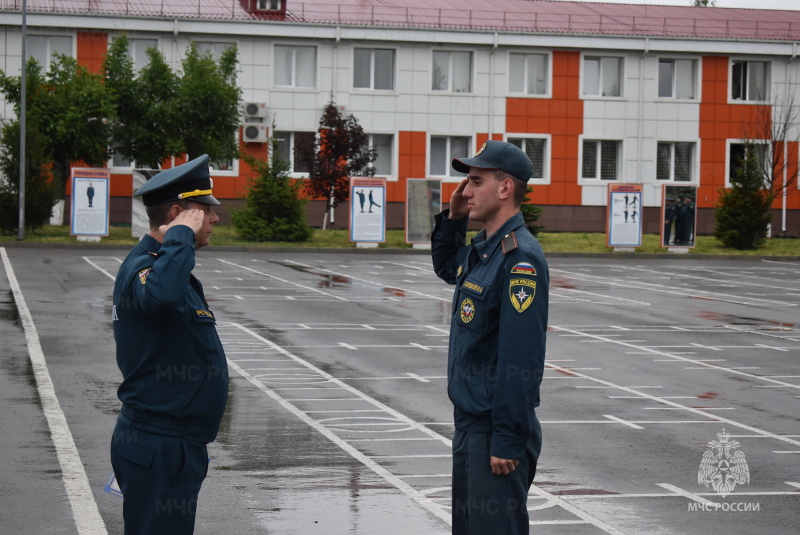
498	155
189	181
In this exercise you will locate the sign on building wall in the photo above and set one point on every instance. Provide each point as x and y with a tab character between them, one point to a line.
423	201
90	196
679	214
367	209
624	215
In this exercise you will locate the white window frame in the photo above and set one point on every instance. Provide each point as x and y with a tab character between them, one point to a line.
548	78
448	159
620	160
767	82
266	5
132	54
449	89
371	88
696	85
599	95
728	144
217	47
46	67
293	86
546	157
233	171
292	133
693	175
392	176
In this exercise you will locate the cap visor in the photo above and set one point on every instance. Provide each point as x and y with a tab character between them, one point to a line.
204	199
462	165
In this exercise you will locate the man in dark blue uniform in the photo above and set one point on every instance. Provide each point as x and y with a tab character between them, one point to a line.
175	376
497	340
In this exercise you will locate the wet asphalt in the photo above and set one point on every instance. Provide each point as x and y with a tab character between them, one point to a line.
338	420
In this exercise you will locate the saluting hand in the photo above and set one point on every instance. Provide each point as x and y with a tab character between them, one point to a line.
192	218
458	203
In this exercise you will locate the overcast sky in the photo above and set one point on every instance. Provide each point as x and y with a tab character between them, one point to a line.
793	5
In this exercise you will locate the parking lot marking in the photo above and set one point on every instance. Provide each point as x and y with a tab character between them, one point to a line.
624	422
685	493
273	277
84	508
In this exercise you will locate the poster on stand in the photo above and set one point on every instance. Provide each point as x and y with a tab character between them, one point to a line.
679	214
90	198
423	202
367	209
624	215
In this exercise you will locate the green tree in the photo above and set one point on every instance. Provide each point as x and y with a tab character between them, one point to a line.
145	128
743	212
208	105
340	150
531	213
273	209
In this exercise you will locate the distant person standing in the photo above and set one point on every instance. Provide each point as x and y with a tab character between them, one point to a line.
497	340
90	194
174	373
669	218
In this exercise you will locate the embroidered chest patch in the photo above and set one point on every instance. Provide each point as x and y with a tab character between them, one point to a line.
467	310
521	292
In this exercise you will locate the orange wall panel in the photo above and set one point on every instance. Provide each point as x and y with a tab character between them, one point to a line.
92	48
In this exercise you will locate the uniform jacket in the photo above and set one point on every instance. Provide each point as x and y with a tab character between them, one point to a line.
498	328
171	358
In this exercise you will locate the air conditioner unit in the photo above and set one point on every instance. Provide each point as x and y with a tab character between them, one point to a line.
255	109
254	133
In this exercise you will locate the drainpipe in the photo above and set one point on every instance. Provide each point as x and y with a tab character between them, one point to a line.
491	85
640	126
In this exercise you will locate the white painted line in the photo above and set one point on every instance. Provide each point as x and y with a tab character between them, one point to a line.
325	399
101	270
624	422
369	327
556	522
407	439
414	344
282	280
619	328
706	347
348	346
417	377
685	493
798	451
772	347
79	492
615	386
412	476
423	456
344	410
596	522
793	484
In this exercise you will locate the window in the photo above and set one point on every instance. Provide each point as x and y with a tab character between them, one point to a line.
137	51
452	71
602	76
382	143
675	161
443	150
749	80
296	66
535	148
528	74
739	152
600	159
214	50
269	5
43	48
373	68
288	142
677	78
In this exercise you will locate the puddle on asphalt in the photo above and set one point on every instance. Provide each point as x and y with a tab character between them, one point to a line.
745	320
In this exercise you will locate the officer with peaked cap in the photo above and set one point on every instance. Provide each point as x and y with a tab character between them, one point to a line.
175	376
497	340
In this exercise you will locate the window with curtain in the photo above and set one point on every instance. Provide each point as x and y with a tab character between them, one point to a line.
749	80
602	76
214	50
137	51
452	71
675	161
287	143
295	66
677	78
443	150
600	159
383	145
43	48
535	148
528	74
373	68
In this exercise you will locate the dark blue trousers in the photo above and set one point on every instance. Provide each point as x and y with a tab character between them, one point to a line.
160	478
488	504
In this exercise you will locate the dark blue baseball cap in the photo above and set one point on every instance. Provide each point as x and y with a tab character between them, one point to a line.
498	155
190	181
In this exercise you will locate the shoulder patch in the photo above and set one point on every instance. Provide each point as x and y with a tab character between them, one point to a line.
522	293
202	313
509	242
143	275
523	268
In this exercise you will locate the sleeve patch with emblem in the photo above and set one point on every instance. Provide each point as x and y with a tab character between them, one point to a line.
523	268
202	313
521	292
143	275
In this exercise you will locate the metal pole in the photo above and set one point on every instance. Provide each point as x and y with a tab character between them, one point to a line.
22	105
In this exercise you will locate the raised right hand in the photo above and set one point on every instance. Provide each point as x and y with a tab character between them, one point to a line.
458	203
192	218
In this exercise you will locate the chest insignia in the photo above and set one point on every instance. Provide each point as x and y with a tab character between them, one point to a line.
523	268
472	286
143	275
467	310
521	292
203	313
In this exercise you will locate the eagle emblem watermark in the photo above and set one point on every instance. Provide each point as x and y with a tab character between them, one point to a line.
723	468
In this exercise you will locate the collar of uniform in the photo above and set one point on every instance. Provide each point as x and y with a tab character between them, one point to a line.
149	244
485	247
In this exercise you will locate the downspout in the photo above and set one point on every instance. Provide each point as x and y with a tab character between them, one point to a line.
640	126
786	152
491	85
333	93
